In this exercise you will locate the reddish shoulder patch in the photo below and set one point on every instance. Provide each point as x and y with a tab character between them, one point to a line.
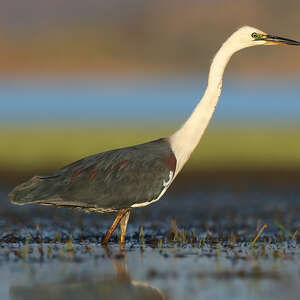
123	164
171	162
120	165
77	173
93	173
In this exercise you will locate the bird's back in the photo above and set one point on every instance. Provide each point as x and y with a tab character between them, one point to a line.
108	181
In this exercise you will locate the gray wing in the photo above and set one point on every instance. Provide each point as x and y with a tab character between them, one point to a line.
110	180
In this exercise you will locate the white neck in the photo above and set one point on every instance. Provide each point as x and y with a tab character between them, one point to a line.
185	140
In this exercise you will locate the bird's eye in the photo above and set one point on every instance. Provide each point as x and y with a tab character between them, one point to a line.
254	35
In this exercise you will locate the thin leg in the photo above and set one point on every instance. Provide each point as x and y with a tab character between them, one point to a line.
123	226
119	216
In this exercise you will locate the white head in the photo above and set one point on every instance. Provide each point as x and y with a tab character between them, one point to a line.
184	140
248	36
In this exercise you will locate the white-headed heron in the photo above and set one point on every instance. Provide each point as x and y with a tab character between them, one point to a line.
122	179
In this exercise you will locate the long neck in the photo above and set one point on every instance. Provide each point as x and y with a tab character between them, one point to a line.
184	140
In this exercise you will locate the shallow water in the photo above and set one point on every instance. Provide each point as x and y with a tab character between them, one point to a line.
192	244
169	273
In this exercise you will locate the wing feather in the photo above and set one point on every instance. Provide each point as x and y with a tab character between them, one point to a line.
110	180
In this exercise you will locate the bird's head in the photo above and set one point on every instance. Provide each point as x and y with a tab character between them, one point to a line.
248	36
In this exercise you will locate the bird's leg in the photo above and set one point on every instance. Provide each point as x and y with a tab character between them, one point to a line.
123	227
119	216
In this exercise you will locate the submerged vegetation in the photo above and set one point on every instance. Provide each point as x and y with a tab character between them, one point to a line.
77	244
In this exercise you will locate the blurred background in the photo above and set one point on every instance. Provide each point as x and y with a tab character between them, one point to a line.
81	77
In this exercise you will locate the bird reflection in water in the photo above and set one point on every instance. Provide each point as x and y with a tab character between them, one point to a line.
121	286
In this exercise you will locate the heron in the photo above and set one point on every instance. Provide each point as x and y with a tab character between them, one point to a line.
120	180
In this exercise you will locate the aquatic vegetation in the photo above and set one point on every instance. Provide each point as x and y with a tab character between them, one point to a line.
258	234
44	244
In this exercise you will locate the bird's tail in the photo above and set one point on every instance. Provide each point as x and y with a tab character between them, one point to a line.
31	191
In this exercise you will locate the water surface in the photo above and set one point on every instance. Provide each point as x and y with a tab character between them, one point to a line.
195	244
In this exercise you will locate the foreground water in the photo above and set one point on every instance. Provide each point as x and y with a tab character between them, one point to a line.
193	244
168	273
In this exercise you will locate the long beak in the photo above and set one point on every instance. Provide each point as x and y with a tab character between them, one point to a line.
279	40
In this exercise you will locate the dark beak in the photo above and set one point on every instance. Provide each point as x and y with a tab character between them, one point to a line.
279	40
